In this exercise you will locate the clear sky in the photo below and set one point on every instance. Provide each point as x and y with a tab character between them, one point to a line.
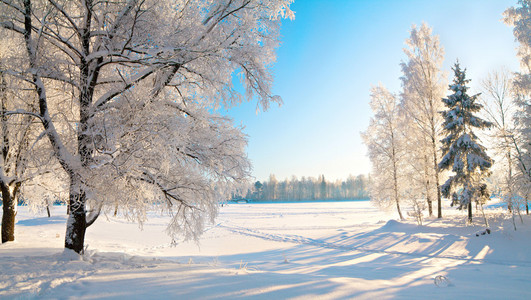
331	54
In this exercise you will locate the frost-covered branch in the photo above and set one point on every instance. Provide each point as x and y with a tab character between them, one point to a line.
20	112
141	80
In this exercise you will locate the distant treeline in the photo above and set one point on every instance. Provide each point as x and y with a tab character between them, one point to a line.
308	188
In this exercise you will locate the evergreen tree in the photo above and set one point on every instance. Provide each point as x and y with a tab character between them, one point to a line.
258	189
462	152
323	188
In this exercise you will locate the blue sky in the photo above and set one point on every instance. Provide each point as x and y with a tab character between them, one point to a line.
331	54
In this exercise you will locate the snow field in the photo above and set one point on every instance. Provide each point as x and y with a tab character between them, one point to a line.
332	250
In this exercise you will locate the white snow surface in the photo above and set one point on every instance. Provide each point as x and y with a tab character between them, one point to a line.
331	250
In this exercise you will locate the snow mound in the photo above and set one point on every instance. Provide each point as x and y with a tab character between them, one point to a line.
68	255
394	225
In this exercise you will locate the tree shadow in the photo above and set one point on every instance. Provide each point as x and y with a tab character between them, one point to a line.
42	221
397	260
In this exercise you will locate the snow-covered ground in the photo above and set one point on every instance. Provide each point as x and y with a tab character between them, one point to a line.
273	251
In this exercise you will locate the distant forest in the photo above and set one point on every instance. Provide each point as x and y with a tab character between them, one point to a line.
308	188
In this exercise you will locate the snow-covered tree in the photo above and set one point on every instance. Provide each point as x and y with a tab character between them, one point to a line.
417	169
7	165
499	109
125	92
423	83
385	142
463	154
520	18
15	133
21	152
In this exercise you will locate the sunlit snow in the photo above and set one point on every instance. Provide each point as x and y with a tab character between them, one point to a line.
273	251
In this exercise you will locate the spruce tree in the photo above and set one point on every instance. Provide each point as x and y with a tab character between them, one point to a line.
463	153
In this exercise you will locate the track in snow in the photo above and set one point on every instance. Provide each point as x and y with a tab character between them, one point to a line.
297	239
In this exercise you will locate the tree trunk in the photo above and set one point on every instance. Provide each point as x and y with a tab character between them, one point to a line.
8	217
398	209
430	206
470	212
439	198
509	182
437	185
395	182
77	222
427	185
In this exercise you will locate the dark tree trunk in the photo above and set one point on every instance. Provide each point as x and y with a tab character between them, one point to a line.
427	186
437	185
470	212
77	222
8	217
439	197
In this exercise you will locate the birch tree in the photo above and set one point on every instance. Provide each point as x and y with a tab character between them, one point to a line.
140	79
417	169
423	86
519	17
385	143
499	108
